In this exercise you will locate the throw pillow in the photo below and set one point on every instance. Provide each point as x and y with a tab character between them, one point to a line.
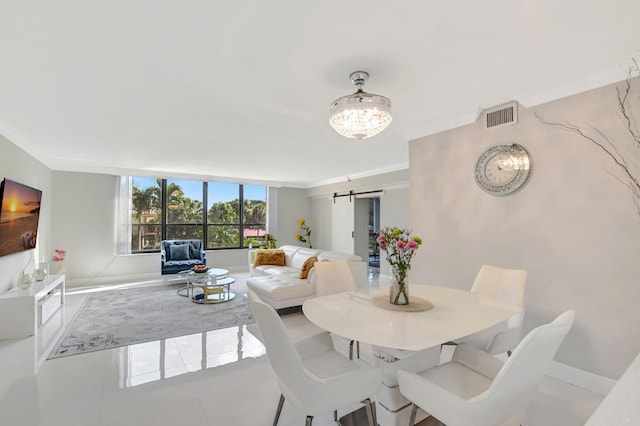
307	266
269	257
194	252
180	252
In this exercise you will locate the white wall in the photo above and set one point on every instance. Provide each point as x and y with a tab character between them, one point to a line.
573	227
321	219
361	228
292	205
84	218
84	214
394	203
17	165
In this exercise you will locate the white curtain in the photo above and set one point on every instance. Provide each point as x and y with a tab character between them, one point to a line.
123	244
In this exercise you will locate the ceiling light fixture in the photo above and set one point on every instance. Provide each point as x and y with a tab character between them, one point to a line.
360	115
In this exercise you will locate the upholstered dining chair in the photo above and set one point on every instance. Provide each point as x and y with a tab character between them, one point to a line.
311	374
475	388
330	278
504	284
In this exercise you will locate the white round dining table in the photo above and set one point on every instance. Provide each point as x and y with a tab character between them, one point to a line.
455	314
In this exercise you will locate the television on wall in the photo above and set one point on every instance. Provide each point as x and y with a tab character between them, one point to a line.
19	217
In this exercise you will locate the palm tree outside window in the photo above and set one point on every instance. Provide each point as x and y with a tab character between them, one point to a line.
235	214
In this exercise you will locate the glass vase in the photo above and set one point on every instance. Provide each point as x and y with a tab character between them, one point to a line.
41	271
399	290
25	282
60	268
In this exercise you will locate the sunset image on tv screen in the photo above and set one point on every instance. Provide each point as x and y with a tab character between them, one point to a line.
18	217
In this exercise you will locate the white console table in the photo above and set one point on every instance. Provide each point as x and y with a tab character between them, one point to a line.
38	312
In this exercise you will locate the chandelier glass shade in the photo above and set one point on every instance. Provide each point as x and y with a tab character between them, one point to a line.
360	115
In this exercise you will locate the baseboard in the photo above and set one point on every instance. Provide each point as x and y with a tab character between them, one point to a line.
581	378
116	279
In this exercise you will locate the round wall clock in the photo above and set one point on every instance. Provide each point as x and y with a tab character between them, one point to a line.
502	169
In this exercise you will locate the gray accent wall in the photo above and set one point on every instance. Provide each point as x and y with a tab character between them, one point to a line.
573	227
394	211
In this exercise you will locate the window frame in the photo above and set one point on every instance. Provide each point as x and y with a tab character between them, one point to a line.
203	224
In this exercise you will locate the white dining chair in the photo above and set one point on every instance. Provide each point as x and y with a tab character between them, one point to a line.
475	388
504	284
312	375
330	278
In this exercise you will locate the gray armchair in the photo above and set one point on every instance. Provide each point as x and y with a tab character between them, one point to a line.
181	255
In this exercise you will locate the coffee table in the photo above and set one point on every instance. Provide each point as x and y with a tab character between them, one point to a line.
213	290
190	276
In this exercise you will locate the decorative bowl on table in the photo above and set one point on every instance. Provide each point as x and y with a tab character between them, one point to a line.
200	269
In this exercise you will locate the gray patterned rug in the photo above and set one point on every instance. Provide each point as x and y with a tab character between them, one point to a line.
113	318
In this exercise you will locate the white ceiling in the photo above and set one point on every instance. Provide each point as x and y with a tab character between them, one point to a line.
241	90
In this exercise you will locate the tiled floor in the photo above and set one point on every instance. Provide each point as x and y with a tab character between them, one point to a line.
216	378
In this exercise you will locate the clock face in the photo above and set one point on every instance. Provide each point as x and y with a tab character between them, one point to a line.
502	169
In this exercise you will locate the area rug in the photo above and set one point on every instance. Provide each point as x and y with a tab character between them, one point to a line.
114	318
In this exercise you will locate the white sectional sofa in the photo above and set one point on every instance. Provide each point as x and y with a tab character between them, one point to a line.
281	286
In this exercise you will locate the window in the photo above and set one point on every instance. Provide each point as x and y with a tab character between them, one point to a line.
146	217
223	215
254	214
184	210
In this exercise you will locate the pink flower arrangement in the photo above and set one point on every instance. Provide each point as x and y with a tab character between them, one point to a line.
400	248
59	255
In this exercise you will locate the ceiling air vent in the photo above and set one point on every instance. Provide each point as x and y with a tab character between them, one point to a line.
500	116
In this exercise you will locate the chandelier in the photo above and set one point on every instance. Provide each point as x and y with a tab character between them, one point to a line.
360	115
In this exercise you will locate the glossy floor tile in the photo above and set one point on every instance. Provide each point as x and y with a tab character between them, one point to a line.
216	378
